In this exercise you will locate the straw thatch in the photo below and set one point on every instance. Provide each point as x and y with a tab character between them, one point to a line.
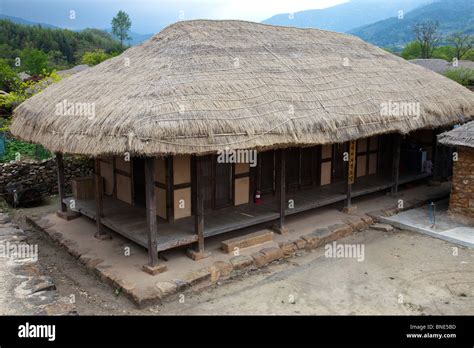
460	136
200	86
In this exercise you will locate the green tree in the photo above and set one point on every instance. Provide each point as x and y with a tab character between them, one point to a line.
462	43
94	57
8	77
34	61
411	51
444	52
121	24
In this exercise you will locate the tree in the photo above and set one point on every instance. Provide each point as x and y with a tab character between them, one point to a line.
427	36
8	77
34	62
412	50
94	57
462	43
444	52
121	24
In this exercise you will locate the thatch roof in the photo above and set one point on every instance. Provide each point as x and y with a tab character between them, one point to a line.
440	65
199	86
460	136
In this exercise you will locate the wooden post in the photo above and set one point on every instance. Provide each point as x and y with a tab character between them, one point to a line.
61	185
280	227
169	189
198	200
350	176
396	163
153	267
99	204
199	217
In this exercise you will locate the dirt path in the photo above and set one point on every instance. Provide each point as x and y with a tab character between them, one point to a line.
402	273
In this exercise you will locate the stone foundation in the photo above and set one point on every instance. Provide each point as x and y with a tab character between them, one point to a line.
43	173
461	201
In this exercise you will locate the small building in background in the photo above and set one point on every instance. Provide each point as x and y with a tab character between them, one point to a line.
461	202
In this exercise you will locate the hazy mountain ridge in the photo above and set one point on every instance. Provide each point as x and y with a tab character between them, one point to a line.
452	15
346	16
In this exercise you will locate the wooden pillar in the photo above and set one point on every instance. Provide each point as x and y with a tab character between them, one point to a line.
350	176
396	163
169	189
151	211
61	182
198	200
199	217
99	204
280	227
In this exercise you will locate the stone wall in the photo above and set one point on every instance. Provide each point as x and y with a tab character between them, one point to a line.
461	201
43	173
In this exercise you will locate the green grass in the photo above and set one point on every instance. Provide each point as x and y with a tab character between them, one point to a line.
20	150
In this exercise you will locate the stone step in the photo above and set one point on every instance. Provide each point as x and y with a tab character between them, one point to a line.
247	241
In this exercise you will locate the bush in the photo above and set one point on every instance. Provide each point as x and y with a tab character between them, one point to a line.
94	57
463	76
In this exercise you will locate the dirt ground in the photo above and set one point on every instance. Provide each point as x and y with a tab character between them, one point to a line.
401	273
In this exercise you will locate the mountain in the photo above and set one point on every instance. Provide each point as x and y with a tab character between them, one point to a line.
346	16
18	20
452	15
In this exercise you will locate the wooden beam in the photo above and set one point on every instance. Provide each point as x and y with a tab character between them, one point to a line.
199	211
99	205
396	163
151	212
61	182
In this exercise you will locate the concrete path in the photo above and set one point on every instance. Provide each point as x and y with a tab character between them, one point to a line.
421	220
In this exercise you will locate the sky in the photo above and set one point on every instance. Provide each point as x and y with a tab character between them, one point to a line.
149	16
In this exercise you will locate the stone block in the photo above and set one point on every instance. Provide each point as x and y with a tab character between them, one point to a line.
246	241
241	262
288	248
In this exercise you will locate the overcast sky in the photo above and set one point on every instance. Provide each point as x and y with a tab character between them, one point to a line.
149	16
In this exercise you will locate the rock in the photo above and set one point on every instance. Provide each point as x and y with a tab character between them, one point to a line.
288	248
382	227
341	230
267	255
41	283
356	223
317	238
300	243
241	262
4	218
195	277
219	270
167	288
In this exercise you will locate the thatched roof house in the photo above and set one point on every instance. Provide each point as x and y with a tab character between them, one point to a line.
461	201
440	65
460	136
312	103
200	85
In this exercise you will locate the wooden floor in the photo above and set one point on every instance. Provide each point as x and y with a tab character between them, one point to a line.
130	221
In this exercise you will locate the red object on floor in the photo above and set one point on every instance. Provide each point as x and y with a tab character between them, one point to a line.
258	199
